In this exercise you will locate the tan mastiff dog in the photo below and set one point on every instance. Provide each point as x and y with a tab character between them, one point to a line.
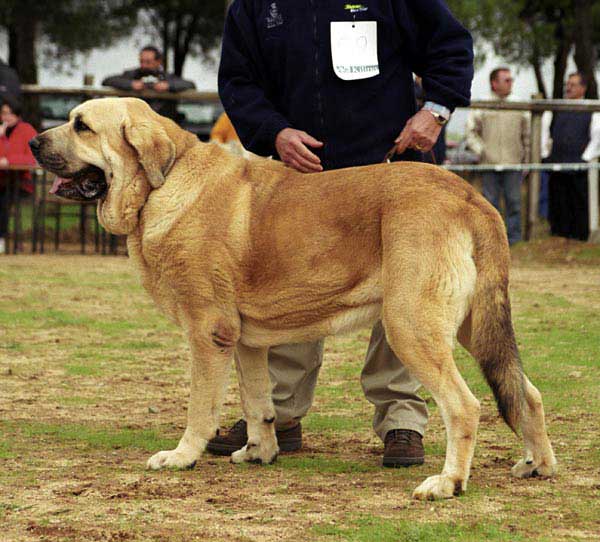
246	254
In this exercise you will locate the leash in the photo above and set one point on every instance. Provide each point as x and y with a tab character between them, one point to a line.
392	152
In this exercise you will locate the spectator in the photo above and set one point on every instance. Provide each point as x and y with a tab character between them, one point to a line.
571	137
14	151
438	153
151	76
10	86
501	137
319	103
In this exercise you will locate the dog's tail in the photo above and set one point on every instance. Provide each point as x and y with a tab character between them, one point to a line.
493	342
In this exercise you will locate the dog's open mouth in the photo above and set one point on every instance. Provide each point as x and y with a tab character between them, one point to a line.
89	184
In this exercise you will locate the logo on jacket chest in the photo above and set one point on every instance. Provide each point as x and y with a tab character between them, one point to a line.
355	8
274	18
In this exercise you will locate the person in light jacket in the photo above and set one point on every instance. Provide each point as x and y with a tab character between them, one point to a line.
501	137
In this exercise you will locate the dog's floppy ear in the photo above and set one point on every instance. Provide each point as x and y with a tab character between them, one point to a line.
155	149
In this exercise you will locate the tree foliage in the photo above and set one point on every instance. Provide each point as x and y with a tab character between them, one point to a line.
530	32
62	28
184	27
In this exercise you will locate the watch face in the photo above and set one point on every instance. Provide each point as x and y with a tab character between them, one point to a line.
440	119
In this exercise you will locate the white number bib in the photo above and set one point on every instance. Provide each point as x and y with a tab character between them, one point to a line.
354	49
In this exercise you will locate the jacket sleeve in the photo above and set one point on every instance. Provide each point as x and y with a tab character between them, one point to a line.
178	84
592	151
20	154
546	143
440	49
122	82
243	84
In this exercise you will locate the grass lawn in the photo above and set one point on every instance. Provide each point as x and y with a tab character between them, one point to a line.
93	380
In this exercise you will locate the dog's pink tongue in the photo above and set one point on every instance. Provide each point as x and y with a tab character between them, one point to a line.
57	182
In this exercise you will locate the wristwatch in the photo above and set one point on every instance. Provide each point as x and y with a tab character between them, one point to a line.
440	113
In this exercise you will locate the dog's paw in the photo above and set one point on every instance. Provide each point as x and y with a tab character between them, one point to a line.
174	459
253	453
528	468
437	487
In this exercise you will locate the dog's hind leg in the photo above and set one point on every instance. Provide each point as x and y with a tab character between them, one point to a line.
425	350
426	297
487	333
539	458
255	389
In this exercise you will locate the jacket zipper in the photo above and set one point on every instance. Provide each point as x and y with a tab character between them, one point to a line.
321	118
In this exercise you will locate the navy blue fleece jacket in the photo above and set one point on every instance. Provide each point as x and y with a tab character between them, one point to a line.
276	72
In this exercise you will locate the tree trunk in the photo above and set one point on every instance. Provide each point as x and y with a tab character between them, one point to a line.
165	43
22	34
184	44
177	60
585	52
12	46
561	57
537	68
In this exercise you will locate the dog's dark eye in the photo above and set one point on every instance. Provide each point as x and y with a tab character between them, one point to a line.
81	126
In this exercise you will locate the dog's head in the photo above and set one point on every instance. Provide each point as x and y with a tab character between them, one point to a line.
114	150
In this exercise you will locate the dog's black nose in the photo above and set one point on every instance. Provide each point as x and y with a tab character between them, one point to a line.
34	144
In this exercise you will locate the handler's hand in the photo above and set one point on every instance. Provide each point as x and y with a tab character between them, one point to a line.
137	84
292	148
420	133
161	86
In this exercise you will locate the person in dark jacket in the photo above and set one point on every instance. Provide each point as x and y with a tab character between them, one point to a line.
151	76
326	85
574	138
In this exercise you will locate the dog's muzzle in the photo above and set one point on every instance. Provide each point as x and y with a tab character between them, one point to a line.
88	184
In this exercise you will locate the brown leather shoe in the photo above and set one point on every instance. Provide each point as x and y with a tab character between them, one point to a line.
403	448
289	440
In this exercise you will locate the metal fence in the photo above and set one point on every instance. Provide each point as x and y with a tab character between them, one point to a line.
537	107
593	193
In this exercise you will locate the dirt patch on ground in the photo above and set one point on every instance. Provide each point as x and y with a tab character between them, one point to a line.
93	381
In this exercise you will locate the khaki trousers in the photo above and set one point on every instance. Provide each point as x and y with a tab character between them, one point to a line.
386	383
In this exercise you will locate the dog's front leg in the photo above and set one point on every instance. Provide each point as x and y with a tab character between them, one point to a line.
255	389
212	348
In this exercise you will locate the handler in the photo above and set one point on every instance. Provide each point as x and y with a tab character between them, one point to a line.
327	85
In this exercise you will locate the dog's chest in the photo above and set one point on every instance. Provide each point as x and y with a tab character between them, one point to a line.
147	259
